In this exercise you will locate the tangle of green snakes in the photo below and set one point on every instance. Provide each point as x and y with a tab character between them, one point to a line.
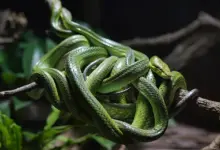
120	91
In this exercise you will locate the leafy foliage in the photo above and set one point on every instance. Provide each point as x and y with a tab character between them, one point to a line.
50	135
10	134
18	59
67	142
52	118
16	62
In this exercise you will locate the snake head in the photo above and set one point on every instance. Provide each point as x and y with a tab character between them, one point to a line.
160	67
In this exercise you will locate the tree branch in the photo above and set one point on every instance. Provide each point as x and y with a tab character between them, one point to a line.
208	105
201	102
193	47
24	88
203	19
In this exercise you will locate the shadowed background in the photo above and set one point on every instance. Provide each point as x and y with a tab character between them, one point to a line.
123	20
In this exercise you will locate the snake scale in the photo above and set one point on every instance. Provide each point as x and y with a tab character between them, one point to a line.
127	96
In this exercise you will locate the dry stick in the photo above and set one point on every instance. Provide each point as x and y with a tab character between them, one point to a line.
5	40
203	19
195	46
23	88
187	50
206	104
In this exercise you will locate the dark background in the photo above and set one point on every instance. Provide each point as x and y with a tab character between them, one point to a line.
122	20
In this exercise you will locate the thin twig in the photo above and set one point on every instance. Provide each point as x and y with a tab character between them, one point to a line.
193	47
24	88
203	19
6	40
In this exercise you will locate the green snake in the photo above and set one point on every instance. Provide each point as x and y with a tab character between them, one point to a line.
94	77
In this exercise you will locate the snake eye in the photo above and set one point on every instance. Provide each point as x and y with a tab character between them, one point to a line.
160	67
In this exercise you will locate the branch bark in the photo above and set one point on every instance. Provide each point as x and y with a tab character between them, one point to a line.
193	47
21	89
203	19
203	103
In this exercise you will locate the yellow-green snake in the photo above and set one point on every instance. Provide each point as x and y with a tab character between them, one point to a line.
120	91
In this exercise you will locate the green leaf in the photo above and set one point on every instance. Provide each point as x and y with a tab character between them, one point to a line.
9	77
19	104
35	93
12	58
21	56
29	136
43	138
2	57
52	118
11	137
28	36
32	54
67	141
34	48
172	123
103	142
50	44
48	135
3	63
4	108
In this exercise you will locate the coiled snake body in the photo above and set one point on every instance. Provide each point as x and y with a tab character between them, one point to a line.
82	73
